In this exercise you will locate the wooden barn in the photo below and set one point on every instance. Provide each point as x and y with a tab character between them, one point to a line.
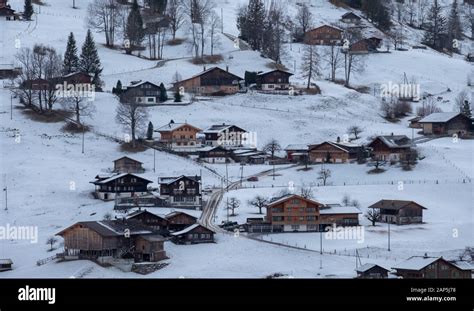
225	135
391	147
99	240
178	135
399	212
350	18
446	123
211	82
182	191
324	35
372	271
364	46
156	222
425	267
335	152
6	264
128	165
124	185
177	221
275	80
194	234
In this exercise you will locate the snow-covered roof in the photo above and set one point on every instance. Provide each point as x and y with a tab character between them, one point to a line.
6	261
207	71
396	141
172	214
339	210
188	229
393	204
463	265
115	177
274	70
297	147
170	180
170	127
439	117
367	267
218	128
419	262
113	228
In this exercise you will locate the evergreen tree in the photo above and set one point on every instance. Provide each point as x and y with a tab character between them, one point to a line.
158	6
134	29
149	132
436	26
377	13
466	109
89	61
454	24
252	23
28	10
177	97
71	60
117	90
163	93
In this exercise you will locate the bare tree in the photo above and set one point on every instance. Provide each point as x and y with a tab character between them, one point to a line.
333	58
198	13
259	202
429	106
304	21
310	64
397	36
214	26
423	6
272	147
131	115
23	90
355	130
352	63
307	192
76	102
175	16
323	175
232	205
104	16
51	241
373	215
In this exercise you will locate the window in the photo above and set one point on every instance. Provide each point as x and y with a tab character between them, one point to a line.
295	227
289	209
151	100
311	210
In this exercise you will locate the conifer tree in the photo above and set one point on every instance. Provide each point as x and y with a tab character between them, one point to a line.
134	29
28	10
436	26
163	93
71	60
454	24
89	60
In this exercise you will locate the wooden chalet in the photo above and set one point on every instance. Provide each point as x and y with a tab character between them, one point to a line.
9	71
128	165
225	135
335	152
424	267
372	271
118	186
293	213
249	156
399	212
275	80
214	155
415	123
211	82
446	123
364	46
145	93
178	221
156	222
297	153
182	191
6	264
391	147
76	78
7	12
101	240
194	234
178	135
350	18
324	35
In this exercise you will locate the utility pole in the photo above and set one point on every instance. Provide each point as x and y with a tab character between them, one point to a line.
241	174
320	246
11	106
222	20
389	235
227	176
6	197
273	169
227	208
83	140
154	160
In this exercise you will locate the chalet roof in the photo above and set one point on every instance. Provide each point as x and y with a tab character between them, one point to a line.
170	180
6	261
139	212
153	238
333	27
115	177
366	267
210	70
439	117
175	213
393	204
350	15
275	70
113	228
336	145
220	128
297	147
128	158
338	209
210	148
170	127
287	197
72	74
419	262
189	229
395	141
140	84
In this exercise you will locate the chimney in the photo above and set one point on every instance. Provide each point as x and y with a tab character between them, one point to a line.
338	139
426	255
227	68
204	68
393	134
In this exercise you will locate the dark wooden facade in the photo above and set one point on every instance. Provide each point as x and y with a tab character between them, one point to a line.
178	221
391	148
214	81
459	124
144	93
122	185
324	35
224	135
194	234
372	271
274	80
214	155
183	191
329	152
151	220
431	268
399	212
6	264
128	165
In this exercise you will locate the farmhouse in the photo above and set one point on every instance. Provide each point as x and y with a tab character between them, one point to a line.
182	191
214	155
178	135
446	123
365	46
212	82
128	165
76	78
391	148
372	271
399	212
293	213
194	234
120	186
324	35
335	152
274	80
226	135
350	18
102	240
8	12
145	93
178	221
6	264
156	222
424	267
296	153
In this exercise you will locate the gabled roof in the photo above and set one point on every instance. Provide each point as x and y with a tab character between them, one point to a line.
218	128
275	70
6	261
419	262
297	147
176	213
350	15
170	180
440	117
322	26
335	145
125	157
140	84
287	197
113	228
141	212
338	210
118	176
208	71
394	141
171	127
189	229
393	204
368	266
